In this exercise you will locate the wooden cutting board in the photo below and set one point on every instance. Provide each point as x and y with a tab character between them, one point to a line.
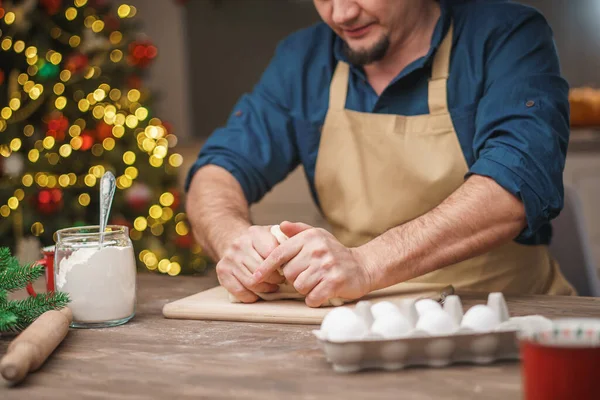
214	304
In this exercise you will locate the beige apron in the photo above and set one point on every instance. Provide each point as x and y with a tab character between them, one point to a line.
378	171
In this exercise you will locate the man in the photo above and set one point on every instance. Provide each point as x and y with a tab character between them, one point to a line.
433	135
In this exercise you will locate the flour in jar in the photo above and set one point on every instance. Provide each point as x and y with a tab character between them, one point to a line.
100	283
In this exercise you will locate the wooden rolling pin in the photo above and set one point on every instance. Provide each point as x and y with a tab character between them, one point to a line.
31	348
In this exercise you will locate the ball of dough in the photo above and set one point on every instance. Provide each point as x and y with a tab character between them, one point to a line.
280	236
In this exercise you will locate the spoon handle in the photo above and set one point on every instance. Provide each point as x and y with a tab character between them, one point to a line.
107	192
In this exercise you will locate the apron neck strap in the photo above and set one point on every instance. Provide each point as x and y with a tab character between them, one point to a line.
438	97
338	89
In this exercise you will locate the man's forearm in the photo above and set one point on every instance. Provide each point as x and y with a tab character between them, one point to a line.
217	209
475	218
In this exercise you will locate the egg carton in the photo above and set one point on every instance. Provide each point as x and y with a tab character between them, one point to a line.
393	336
395	354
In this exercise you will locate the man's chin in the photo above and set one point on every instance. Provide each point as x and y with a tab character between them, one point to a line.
366	52
360	49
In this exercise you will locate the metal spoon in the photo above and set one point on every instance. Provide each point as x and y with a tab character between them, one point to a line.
107	192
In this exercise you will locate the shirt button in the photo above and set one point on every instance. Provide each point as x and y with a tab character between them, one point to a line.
238	114
530	103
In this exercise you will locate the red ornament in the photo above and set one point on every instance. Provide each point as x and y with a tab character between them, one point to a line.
49	201
98	3
176	198
56	195
87	140
76	62
141	53
57	126
111	23
103	131
52	6
134	82
185	241
168	127
138	196
59	136
58	123
44	197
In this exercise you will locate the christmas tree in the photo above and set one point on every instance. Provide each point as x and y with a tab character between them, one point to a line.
72	106
16	315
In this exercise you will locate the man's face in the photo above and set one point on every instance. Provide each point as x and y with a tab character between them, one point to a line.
366	26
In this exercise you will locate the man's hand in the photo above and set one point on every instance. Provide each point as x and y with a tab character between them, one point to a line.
317	264
242	258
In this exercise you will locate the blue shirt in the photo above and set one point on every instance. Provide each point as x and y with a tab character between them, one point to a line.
507	99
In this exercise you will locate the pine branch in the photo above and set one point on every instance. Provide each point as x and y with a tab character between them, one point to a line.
16	315
18	277
8	321
6	260
31	308
4	256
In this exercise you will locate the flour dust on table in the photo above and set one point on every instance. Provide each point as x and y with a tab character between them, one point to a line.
286	290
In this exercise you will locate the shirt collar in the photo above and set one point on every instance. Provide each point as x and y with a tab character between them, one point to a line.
441	28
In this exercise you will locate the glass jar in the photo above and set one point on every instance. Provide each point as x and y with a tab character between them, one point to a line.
100	278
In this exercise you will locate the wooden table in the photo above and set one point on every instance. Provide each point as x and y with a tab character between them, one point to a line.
154	357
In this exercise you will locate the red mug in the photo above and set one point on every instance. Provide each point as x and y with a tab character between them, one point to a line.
562	363
48	263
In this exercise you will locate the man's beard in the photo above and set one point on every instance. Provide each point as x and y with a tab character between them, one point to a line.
368	56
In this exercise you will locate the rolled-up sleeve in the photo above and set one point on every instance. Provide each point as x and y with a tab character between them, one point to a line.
522	123
257	143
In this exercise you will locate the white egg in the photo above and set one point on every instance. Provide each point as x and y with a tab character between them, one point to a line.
426	305
453	306
480	318
497	303
384	308
342	324
334	317
348	330
391	326
408	309
363	310
437	322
